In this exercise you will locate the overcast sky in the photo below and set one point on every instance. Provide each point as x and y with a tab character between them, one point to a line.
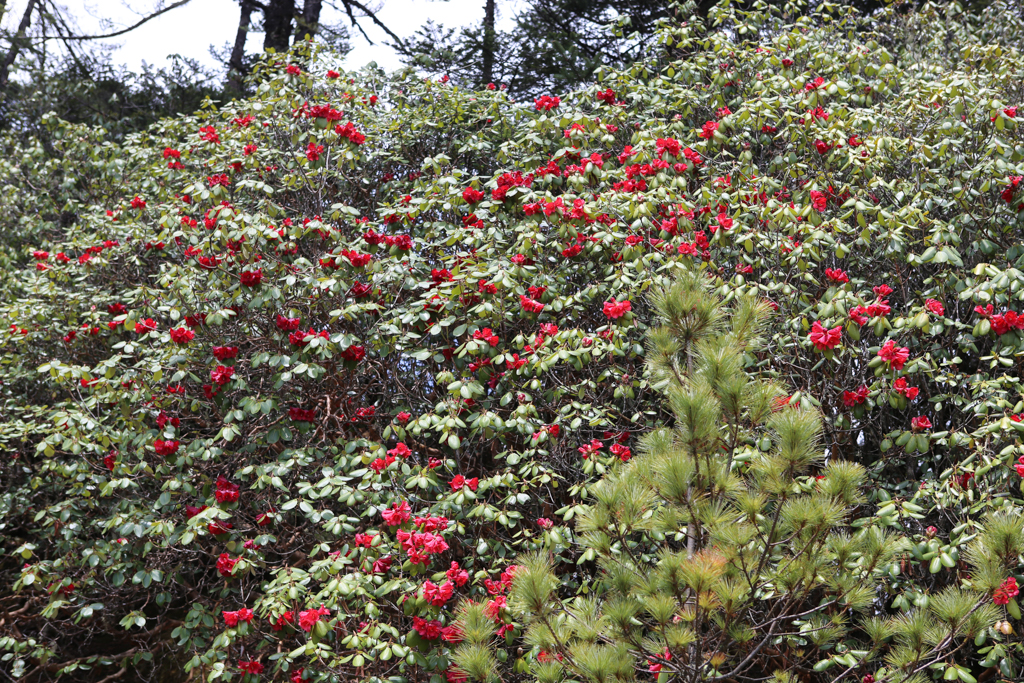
191	30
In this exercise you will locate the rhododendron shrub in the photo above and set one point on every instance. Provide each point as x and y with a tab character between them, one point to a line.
213	424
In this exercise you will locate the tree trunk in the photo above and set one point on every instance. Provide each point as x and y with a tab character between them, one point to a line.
16	42
308	23
236	65
487	76
277	24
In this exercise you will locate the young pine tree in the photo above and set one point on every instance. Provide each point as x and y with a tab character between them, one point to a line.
730	548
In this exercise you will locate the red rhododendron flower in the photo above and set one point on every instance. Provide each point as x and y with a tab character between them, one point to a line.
837	276
935	307
403	417
530	305
457	574
286	619
459	481
438	595
313	151
251	667
708	130
182	335
354	353
222	374
309	618
225	352
300	415
486	335
145	325
397	514
900	387
165	448
545	523
895	356
1007	590
400	450
616	309
472	195
287	324
493	607
819	200
428	630
226	564
251	278
919	424
546	103
225	491
823	339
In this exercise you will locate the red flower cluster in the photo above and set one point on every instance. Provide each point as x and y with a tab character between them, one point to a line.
616	309
920	424
837	276
1007	590
309	618
251	278
243	615
226	564
225	491
419	546
895	356
823	339
546	103
472	195
853	398
460	481
900	387
302	338
349	132
165	448
300	415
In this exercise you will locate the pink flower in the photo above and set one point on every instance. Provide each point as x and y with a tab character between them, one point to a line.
893	355
545	523
823	339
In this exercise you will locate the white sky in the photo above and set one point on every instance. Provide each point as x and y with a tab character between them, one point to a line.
191	30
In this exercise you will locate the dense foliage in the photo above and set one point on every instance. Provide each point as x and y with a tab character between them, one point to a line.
285	381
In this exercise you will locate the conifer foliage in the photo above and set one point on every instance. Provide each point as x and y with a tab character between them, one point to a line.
714	567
